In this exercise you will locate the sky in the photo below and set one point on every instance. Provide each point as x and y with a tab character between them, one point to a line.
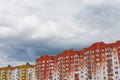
31	28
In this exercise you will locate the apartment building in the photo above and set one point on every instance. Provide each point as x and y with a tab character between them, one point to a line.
45	67
6	73
100	61
103	61
22	72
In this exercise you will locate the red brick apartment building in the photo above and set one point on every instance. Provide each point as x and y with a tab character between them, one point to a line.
100	61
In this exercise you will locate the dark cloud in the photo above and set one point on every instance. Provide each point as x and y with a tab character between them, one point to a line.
29	29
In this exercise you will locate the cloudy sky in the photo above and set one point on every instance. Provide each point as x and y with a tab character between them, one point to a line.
31	28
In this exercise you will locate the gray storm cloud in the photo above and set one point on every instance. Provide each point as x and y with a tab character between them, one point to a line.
31	28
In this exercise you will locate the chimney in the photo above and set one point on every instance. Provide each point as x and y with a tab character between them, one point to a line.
27	64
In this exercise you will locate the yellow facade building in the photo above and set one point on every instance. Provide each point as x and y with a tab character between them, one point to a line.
22	72
6	73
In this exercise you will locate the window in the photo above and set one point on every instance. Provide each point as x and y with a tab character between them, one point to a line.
110	72
116	72
67	64
76	75
108	53
97	64
104	73
97	50
109	67
116	67
75	55
109	57
116	77
102	50
116	62
118	46
109	62
66	68
97	59
115	58
43	61
103	68
81	76
103	54
67	56
104	78
81	72
97	54
114	49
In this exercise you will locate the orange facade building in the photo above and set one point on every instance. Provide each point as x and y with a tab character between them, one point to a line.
100	61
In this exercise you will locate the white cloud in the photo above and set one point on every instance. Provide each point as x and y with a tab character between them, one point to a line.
27	24
94	2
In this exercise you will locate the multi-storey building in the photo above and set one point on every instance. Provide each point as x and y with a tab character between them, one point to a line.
68	65
22	72
45	67
100	61
103	61
6	73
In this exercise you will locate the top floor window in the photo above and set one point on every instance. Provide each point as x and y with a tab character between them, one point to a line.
102	50
67	56
75	55
97	50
